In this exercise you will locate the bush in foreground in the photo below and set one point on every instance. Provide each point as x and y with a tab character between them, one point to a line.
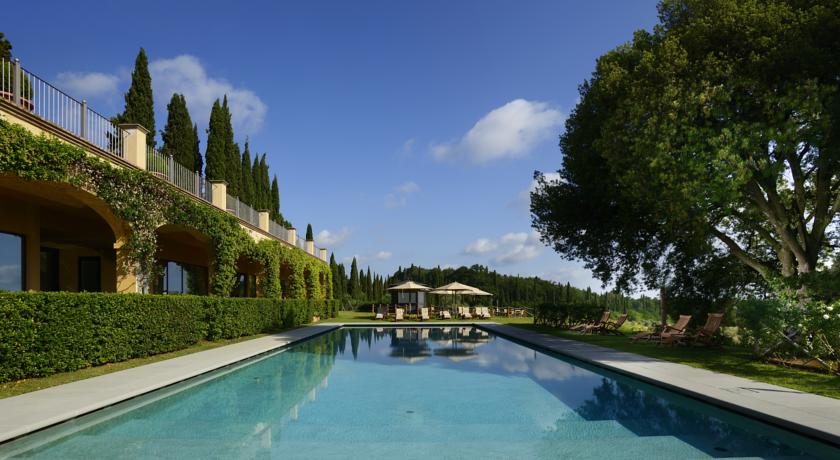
45	333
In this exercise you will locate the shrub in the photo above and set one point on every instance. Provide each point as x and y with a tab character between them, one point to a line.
44	333
562	315
787	329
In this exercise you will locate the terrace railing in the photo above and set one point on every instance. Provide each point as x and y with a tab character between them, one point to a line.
34	94
278	230
30	92
242	210
165	167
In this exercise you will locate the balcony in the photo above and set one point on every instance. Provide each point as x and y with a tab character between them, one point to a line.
46	108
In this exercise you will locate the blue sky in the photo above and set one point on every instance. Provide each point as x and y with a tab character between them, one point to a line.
405	132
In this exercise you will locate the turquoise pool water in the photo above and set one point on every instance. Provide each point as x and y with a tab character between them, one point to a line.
444	393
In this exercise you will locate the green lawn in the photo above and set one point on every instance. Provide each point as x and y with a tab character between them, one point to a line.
26	385
363	317
729	360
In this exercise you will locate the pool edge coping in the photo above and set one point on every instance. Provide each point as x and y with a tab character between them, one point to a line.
830	435
716	398
281	340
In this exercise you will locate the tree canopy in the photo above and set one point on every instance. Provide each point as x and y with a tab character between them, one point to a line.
718	133
5	48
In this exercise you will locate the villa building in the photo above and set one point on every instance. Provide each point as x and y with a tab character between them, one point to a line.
56	236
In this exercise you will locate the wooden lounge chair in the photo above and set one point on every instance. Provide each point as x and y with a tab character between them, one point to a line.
399	314
484	312
582	327
380	313
704	335
678	328
465	312
424	314
444	314
610	327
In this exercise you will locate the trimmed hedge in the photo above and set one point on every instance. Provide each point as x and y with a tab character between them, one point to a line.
564	315
42	333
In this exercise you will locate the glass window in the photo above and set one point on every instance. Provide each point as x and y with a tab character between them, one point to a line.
181	278
252	285
90	274
49	269
11	262
239	285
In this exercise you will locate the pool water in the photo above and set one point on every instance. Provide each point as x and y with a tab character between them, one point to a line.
445	393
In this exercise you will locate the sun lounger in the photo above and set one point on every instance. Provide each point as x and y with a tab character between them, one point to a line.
424	314
444	314
380	312
483	312
583	327
610	327
678	328
399	314
465	312
704	335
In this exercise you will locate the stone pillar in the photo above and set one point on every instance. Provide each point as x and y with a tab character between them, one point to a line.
127	279
218	194
293	236
264	219
323	254
310	247
134	144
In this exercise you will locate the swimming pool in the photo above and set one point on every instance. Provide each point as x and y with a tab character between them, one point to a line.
441	392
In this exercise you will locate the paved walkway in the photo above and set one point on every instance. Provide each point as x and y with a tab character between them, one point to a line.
32	411
810	414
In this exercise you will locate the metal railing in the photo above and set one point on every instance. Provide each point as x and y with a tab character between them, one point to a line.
165	167
30	92
278	230
34	94
242	210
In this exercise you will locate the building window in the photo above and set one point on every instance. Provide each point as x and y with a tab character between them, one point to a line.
90	274
11	262
245	285
49	269
181	278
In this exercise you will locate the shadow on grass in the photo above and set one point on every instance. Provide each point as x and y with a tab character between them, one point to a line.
726	360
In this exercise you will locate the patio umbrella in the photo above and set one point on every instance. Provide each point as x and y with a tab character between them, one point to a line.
453	288
409	286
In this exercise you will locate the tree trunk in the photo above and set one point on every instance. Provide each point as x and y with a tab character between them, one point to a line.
663	305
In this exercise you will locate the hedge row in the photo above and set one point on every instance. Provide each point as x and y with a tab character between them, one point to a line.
45	333
564	315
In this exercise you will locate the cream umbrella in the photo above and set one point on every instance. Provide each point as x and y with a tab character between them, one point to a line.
453	288
409	286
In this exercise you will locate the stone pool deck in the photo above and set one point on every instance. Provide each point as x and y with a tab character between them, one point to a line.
806	413
29	412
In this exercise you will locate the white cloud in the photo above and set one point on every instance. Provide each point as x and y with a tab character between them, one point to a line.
509	131
185	74
87	85
511	247
481	246
399	196
407	148
382	255
326	238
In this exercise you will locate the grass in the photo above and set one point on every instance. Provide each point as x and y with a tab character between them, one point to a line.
366	317
729	360
18	387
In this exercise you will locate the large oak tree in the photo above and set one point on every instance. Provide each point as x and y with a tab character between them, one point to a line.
716	133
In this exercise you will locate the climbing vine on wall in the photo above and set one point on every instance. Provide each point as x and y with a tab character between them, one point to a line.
145	204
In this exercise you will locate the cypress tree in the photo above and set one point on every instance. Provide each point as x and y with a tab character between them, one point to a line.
355	287
5	48
233	163
139	105
275	200
265	186
309	236
198	162
178	135
215	158
247	179
255	179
